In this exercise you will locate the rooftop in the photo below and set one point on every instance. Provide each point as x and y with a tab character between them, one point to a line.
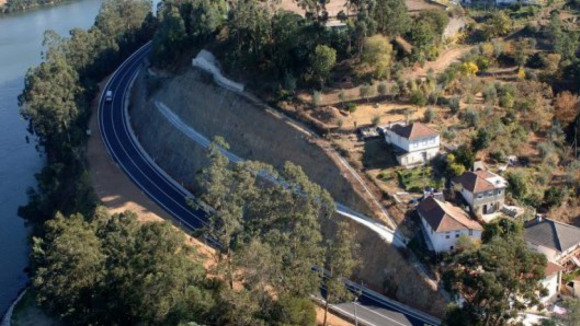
413	131
480	181
552	268
551	234
444	217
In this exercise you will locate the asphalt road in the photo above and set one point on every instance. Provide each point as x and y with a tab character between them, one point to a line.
372	309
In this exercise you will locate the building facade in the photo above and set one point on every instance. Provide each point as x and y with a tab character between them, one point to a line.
484	191
443	224
414	144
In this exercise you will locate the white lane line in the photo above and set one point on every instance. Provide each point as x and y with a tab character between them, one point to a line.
111	152
348	313
377	297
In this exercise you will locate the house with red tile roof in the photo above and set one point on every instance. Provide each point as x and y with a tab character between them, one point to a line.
443	224
414	144
484	191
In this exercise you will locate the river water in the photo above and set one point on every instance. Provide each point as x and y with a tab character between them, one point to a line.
20	47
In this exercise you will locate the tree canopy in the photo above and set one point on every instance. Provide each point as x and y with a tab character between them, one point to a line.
496	281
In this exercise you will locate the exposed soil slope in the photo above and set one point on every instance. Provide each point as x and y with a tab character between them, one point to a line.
255	134
251	132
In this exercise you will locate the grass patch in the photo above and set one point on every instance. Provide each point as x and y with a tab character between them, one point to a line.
415	180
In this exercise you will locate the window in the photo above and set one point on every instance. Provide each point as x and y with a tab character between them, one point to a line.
447	236
499	192
470	232
457	235
479	196
451	248
489	193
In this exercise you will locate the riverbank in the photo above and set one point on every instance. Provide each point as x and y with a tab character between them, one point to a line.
12	7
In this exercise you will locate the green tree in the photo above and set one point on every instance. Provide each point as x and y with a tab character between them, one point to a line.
518	184
226	192
49	100
497	281
482	140
321	62
294	311
391	17
115	271
377	53
382	89
341	261
365	91
498	25
168	42
64	273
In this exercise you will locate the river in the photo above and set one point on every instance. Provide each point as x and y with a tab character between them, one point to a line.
20	47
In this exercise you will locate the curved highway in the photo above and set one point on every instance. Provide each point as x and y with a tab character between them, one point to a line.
373	308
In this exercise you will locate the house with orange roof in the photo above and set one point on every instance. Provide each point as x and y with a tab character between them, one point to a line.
414	144
484	191
443	224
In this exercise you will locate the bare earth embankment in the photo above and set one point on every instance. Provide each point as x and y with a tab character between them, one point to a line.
252	133
256	134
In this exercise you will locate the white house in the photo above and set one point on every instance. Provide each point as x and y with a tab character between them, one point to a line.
415	143
484	191
444	223
552	280
560	242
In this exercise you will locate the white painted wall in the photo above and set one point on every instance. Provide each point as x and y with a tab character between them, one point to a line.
411	146
552	284
443	241
417	157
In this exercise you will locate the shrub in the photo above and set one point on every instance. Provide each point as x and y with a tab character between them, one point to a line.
448	134
518	184
456	169
498	155
382	89
454	104
351	107
471	117
376	120
365	91
553	197
429	115
418	98
482	140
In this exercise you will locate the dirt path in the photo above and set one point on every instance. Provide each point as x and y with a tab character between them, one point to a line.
444	60
118	194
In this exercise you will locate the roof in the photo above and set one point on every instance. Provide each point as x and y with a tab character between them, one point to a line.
480	181
551	234
444	217
552	268
413	131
